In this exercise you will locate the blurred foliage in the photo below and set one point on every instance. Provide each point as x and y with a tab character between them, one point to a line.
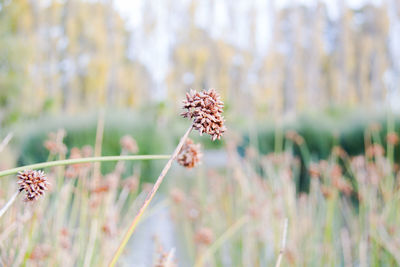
320	134
154	133
84	55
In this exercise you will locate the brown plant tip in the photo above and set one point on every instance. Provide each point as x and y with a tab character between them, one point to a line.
205	108
129	144
34	183
190	154
204	236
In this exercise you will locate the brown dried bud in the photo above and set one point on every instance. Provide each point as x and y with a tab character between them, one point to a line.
314	170
34	183
129	144
40	252
55	144
392	138
177	195
204	236
205	108
190	154
343	186
131	183
375	150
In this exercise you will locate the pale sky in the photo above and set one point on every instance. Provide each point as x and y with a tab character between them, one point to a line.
154	50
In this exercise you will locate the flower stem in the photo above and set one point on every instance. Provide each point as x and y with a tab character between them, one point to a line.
8	204
148	199
220	241
81	160
283	243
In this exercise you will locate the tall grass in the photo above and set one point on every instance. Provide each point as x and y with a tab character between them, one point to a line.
80	221
349	217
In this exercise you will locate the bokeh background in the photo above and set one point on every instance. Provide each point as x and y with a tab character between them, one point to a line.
323	73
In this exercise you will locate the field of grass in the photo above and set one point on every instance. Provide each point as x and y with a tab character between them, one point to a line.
249	211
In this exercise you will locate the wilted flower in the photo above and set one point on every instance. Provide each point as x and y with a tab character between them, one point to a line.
129	144
205	108
190	154
33	182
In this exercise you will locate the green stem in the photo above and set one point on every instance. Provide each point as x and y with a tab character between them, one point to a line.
81	160
148	199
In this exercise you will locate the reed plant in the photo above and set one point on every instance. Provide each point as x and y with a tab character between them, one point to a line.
348	216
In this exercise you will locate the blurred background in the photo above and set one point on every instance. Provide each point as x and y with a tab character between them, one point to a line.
321	73
322	66
267	58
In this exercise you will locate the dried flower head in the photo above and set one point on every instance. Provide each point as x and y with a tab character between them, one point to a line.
190	154
129	144
54	144
177	195
392	138
131	183
205	108
375	150
34	183
164	259
204	236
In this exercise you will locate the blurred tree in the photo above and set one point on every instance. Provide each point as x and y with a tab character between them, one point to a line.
265	57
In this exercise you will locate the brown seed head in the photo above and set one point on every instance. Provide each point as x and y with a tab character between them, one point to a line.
204	236
205	108
190	154
375	150
129	144
34	183
55	144
392	138
131	183
177	195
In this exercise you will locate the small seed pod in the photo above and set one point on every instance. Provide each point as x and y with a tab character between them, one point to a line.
190	154
205	108
34	183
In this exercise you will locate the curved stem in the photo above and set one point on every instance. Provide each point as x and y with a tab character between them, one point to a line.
81	160
148	199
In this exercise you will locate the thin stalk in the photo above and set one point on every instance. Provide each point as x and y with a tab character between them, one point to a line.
148	199
9	203
221	240
81	160
283	243
5	141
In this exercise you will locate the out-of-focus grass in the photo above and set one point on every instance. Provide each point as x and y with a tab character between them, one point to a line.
231	216
349	217
153	133
78	223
